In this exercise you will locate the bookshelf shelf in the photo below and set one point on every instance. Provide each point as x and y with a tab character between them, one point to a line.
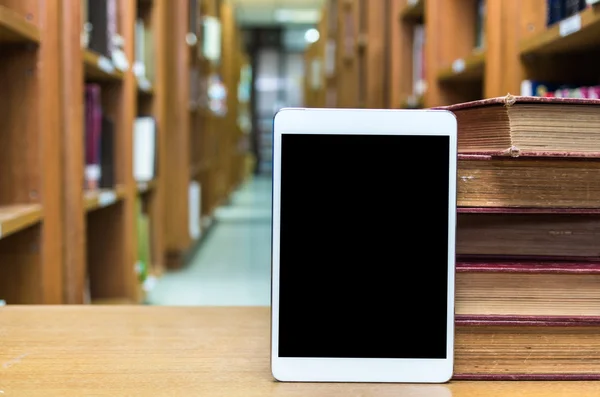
413	12
16	29
146	187
467	69
582	33
100	68
412	102
14	218
103	198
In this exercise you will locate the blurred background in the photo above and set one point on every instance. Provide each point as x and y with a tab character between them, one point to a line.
136	135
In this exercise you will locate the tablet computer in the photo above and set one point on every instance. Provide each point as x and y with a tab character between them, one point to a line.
364	214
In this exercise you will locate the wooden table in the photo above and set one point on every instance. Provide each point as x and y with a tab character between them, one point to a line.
165	351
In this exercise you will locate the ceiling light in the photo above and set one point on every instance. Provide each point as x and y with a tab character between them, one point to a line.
288	15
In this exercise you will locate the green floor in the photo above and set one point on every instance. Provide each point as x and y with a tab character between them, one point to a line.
233	263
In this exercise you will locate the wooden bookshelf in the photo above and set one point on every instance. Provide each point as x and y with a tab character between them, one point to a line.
31	253
100	68
101	254
202	145
14	28
61	243
14	218
578	33
102	198
471	68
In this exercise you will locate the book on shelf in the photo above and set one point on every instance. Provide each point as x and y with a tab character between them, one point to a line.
480	24
195	210
558	10
559	90
102	26
522	233
99	141
529	125
144	262
107	149
144	68
418	67
93	136
528	181
144	149
490	347
527	288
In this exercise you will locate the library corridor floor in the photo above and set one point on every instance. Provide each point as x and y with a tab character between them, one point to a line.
232	267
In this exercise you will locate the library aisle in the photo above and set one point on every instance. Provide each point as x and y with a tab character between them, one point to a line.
233	264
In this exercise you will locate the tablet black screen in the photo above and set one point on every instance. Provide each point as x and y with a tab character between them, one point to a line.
363	246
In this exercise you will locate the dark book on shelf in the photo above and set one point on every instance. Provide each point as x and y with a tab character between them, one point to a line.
102	16
529	125
527	288
534	181
555	10
526	347
522	233
107	160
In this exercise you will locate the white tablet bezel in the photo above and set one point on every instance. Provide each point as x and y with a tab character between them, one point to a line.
358	122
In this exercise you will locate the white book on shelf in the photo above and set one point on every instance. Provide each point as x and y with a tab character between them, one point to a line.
144	149
139	68
195	205
419	84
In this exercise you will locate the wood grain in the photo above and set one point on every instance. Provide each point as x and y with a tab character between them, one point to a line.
49	135
176	351
14	218
14	28
74	219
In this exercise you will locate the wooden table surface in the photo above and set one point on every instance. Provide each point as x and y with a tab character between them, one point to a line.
178	351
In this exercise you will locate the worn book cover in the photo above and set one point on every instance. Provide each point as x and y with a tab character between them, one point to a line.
528	181
529	126
527	348
541	288
538	233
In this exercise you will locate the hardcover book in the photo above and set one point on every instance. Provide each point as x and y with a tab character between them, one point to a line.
533	180
523	233
527	348
526	125
502	287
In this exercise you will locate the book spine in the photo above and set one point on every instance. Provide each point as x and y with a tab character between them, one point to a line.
555	9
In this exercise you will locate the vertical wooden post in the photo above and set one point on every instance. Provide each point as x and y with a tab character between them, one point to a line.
51	282
74	217
177	174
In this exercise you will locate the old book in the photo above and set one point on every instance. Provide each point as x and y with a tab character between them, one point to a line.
540	233
527	348
528	288
528	181
522	125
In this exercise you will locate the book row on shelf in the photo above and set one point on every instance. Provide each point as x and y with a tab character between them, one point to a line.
522	80
84	212
471	50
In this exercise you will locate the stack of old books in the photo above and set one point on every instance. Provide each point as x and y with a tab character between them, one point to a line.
528	239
